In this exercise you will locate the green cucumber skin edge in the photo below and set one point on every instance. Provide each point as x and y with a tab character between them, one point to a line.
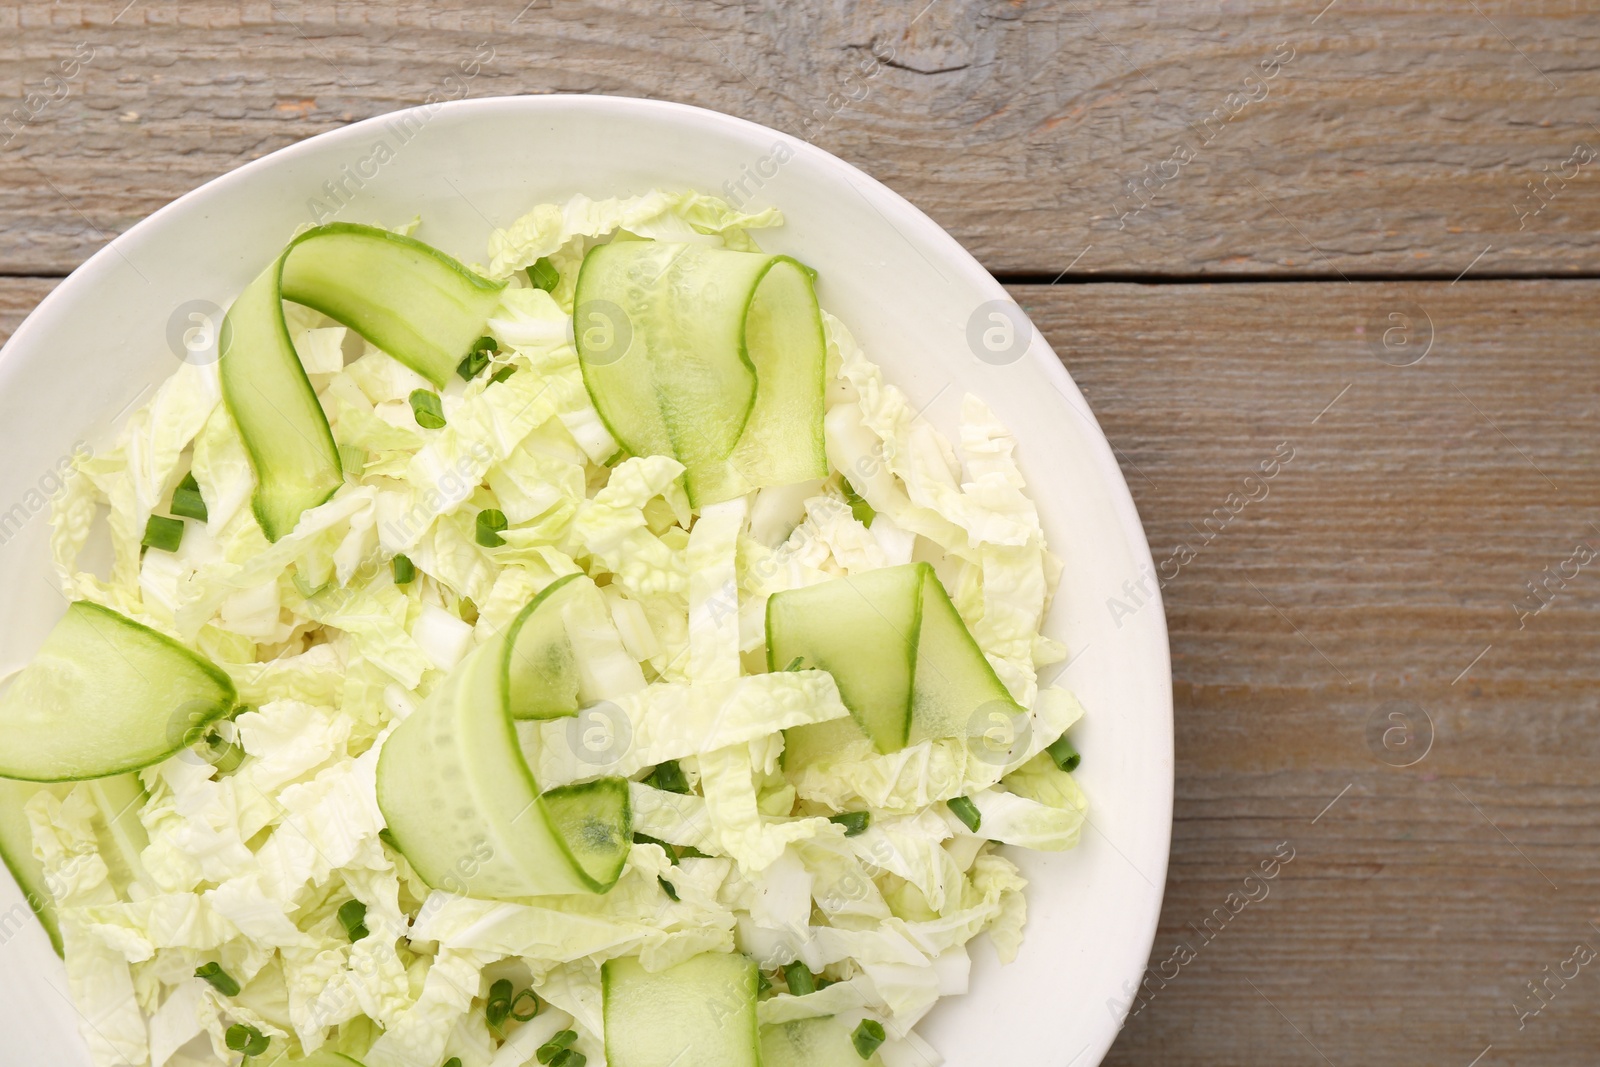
211	669
37	896
820	458
522	617
626	829
925	571
578	301
502	668
45	913
334	469
269	524
217	674
622	439
356	229
593	885
477	281
744	342
749	979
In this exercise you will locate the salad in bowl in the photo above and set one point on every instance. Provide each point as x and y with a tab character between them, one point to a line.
582	657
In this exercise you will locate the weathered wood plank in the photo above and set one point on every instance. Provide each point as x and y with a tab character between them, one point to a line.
1366	576
18	296
1388	139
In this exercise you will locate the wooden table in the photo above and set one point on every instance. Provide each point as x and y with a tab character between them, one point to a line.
1231	220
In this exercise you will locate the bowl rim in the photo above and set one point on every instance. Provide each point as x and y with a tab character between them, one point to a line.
900	213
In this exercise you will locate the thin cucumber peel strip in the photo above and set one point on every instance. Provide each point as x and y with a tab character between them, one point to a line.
16	850
907	666
701	1011
407	298
713	357
460	801
106	695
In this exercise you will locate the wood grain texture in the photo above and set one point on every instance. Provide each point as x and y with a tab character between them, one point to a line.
1365	578
19	296
1389	138
1367	575
1383	567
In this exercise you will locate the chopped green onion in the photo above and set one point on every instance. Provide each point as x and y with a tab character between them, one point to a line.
244	1038
1065	755
470	367
824	983
543	275
490	522
453	1061
499	1004
532	997
867	1037
800	980
668	776
405	572
187	501
763	983
965	810
163	533
427	409
503	373
854	822
667	887
794	664
353	916
569	1057
220	980
862	510
559	1041
225	756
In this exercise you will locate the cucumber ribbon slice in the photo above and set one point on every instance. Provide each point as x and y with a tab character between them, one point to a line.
698	1013
407	298
906	665
459	799
106	695
120	835
713	357
16	850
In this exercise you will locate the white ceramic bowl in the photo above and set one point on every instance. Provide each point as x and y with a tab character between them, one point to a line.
908	291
